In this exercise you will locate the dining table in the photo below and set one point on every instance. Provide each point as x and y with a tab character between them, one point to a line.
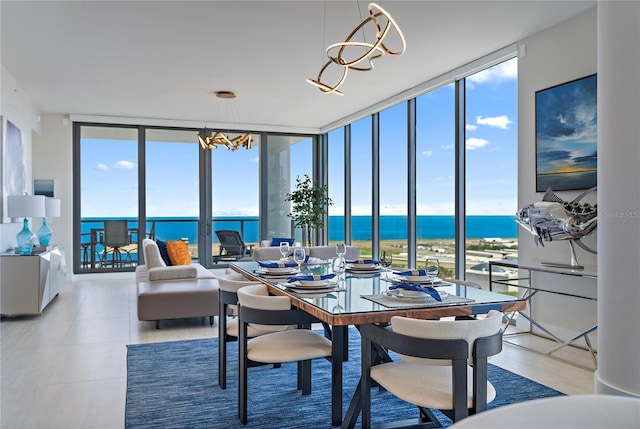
362	297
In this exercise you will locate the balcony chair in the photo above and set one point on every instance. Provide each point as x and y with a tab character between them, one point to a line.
232	247
229	284
115	240
437	360
288	345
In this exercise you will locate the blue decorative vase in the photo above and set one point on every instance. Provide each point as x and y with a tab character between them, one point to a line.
25	239
44	233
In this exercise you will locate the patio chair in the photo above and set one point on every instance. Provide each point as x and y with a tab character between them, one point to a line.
115	240
232	247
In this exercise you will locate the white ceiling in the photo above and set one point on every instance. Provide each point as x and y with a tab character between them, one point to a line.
164	60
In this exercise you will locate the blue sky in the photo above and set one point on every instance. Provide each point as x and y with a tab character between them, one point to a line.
109	167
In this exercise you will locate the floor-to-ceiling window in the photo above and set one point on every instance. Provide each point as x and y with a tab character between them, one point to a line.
235	183
336	182
435	178
491	144
287	158
171	186
361	182
107	201
393	182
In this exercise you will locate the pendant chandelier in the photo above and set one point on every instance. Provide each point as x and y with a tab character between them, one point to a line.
211	140
382	23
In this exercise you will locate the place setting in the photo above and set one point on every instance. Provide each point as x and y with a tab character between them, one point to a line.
312	285
363	266
277	269
423	277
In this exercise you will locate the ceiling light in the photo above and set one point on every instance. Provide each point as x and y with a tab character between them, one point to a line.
210	140
383	23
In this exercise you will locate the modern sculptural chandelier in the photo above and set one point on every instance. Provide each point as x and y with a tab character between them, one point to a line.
210	140
382	23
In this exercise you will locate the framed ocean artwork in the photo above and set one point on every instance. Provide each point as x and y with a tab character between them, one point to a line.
567	136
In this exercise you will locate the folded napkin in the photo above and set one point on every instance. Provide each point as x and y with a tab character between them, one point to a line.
269	264
412	273
409	286
314	277
364	261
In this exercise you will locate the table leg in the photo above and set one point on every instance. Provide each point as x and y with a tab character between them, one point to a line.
339	334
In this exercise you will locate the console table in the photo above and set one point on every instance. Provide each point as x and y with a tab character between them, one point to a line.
531	289
29	283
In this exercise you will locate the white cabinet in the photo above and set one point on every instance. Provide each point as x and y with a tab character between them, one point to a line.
29	283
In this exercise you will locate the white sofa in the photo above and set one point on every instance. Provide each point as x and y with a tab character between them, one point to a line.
174	292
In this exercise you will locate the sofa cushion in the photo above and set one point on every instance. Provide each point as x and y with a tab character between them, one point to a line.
152	258
275	242
162	247
178	252
173	273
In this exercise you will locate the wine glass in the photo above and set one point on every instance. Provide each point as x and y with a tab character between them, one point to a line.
386	258
284	249
298	256
341	250
432	266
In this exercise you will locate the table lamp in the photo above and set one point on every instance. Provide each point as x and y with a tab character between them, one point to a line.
25	206
51	209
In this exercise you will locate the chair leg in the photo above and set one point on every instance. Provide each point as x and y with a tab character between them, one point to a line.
222	346
242	373
211	320
306	377
157	324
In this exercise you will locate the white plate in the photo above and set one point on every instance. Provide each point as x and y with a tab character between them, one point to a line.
319	292
315	285
362	266
279	270
402	295
419	279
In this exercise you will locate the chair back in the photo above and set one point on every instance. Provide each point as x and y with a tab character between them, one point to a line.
116	233
233	282
152	232
257	297
468	330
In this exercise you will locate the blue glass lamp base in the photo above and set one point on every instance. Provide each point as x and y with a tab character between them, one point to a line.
25	239
44	233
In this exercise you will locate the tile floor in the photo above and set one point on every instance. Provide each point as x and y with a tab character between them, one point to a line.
67	367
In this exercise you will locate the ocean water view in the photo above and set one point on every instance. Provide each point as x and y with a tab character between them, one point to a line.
391	227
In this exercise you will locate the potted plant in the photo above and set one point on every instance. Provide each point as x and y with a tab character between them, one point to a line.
309	204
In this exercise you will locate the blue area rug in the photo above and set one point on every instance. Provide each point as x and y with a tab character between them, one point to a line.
175	385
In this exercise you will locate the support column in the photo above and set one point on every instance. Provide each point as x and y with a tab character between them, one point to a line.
618	198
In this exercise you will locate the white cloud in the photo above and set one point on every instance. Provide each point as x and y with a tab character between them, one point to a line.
126	165
255	160
427	153
474	143
471	127
503	71
496	121
448	146
102	167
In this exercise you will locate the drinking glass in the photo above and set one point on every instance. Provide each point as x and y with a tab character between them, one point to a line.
341	250
386	258
284	249
298	256
432	266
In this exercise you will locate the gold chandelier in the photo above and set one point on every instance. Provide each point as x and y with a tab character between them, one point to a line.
210	140
221	139
383	23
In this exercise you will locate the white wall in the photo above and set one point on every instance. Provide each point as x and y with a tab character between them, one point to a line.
53	160
16	106
560	54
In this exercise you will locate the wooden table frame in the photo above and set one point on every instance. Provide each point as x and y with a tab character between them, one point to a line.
340	322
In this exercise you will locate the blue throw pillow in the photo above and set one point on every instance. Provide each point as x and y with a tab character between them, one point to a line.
162	246
275	242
